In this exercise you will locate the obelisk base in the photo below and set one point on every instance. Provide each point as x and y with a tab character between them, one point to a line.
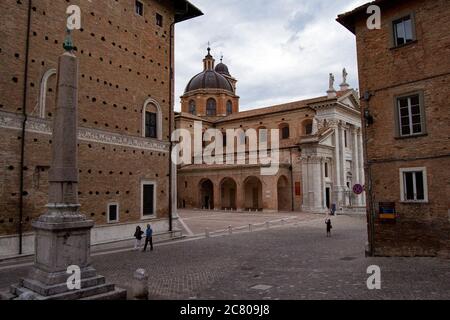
63	240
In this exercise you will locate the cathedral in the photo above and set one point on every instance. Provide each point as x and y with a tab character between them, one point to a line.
320	149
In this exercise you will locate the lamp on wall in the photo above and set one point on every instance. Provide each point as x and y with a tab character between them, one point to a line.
368	117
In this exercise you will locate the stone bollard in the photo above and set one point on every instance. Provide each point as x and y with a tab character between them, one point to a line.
250	227
206	233
230	229
27	296
282	221
267	224
140	284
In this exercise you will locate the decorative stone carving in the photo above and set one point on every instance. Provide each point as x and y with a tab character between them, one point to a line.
37	125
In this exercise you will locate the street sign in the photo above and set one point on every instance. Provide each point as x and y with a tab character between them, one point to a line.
358	189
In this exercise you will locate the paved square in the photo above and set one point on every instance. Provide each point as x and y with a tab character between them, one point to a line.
296	261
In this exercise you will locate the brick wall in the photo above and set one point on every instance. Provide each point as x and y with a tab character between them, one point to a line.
420	229
124	59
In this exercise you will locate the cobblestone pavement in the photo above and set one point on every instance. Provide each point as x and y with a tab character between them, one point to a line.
290	262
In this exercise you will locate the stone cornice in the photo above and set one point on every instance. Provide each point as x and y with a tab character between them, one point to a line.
14	121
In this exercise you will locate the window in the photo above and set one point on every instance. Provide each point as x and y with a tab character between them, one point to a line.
326	170
159	20
139	8
345	139
308	127
410	115
262	132
211	108
192	108
403	31
150	125
224	138
285	132
413	185
113	212
229	107
148	199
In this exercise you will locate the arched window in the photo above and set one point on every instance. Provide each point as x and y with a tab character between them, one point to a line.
229	107
152	120
211	107
192	108
285	134
43	92
308	127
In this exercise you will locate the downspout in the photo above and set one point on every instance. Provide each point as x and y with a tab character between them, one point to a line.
171	79
24	123
368	169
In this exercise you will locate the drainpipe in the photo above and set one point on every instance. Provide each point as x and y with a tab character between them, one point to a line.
369	191
24	123
171	102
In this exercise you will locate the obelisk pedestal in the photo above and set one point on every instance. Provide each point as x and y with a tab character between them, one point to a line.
63	233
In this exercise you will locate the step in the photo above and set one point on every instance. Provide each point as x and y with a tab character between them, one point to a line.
44	290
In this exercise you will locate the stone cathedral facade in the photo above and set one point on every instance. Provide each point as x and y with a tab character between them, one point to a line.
321	156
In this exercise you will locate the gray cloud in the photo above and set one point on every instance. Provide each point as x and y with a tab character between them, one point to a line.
279	51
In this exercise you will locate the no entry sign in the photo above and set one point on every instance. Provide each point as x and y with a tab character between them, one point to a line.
358	189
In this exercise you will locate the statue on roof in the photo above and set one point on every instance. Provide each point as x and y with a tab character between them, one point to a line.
331	82
344	76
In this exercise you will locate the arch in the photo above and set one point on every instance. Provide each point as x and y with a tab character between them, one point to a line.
158	110
192	107
307	127
253	193
211	107
206	192
284	194
285	131
43	91
228	193
229	107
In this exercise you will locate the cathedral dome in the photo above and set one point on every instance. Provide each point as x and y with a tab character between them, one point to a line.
222	68
209	79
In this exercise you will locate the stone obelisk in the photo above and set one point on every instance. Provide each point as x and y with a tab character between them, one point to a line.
63	233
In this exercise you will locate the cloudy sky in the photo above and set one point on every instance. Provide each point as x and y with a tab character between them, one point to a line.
279	50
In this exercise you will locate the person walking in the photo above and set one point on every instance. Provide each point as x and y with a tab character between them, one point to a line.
138	238
148	238
329	227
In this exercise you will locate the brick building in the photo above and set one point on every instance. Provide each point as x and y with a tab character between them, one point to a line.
125	49
320	156
404	72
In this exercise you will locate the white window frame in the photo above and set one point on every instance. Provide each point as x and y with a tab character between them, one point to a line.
135	9
411	125
403	186
118	212
145	183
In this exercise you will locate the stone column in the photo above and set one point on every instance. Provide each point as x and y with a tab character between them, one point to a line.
317	183
63	233
240	196
305	183
356	164
361	165
217	196
338	168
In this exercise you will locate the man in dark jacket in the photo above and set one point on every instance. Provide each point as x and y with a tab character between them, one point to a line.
329	226
148	238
